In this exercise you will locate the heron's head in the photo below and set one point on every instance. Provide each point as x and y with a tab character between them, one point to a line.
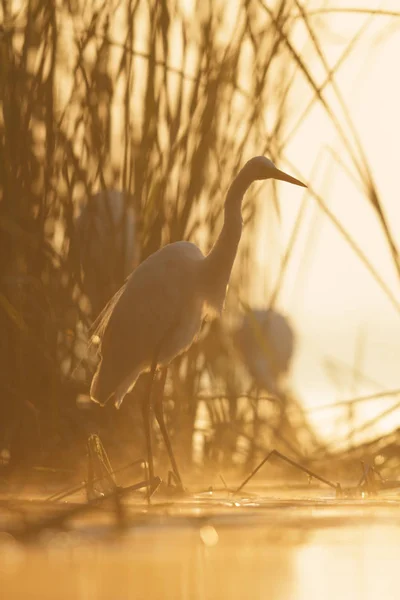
260	167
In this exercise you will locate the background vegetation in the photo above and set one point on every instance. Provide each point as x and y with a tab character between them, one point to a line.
164	101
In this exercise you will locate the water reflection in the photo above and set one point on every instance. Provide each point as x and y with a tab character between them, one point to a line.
291	556
349	563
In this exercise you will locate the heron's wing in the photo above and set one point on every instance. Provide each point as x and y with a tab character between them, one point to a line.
155	315
157	294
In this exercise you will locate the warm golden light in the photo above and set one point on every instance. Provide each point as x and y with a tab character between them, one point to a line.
199	299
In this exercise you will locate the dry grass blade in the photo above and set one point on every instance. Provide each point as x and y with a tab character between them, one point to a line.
360	162
356	400
346	236
376	12
290	462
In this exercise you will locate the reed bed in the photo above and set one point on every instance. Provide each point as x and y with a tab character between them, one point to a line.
164	101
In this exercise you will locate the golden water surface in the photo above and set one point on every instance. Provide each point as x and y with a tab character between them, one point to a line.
302	546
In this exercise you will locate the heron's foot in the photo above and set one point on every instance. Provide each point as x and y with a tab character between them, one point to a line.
175	483
177	490
171	489
155	485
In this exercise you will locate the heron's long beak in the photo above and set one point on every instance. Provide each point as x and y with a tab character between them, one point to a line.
278	174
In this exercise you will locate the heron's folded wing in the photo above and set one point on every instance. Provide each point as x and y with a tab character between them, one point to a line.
152	301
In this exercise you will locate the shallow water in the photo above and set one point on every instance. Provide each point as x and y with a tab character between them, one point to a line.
300	545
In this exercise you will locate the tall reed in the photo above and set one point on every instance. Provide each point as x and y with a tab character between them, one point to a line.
164	101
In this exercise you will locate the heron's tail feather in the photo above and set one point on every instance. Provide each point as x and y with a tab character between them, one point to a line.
100	389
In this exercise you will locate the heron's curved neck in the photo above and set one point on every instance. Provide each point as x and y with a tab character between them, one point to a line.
219	261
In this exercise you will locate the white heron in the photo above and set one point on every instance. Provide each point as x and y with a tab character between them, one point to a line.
157	314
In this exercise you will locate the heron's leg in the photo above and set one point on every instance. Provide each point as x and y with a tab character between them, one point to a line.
159	412
147	425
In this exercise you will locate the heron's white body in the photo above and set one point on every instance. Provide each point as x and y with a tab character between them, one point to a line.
158	312
164	302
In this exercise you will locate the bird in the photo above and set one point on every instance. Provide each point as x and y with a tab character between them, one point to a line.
266	342
158	312
106	244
